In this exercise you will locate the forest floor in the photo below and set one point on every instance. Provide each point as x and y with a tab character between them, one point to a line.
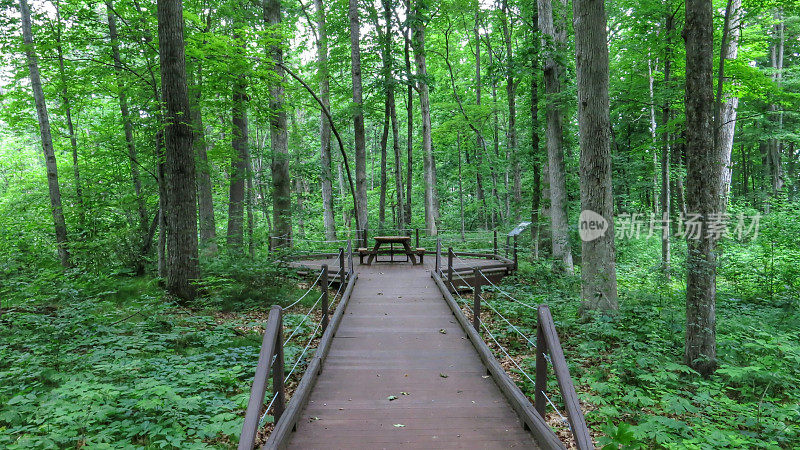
90	360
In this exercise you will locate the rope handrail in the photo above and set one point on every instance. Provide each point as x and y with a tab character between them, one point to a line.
304	295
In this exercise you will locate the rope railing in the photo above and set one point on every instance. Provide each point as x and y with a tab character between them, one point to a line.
271	356
548	350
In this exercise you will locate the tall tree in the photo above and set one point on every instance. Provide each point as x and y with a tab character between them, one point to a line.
358	116
181	204
127	124
726	104
666	113
47	138
598	268
279	137
409	111
240	157
390	99
481	150
511	93
553	41
205	201
326	175
67	104
703	188
418	20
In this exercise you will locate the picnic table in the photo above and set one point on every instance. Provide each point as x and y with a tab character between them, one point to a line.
405	241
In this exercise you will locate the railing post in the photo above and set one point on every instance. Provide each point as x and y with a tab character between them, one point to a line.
476	304
541	367
341	265
450	265
324	285
349	258
277	372
495	243
438	255
516	263
416	231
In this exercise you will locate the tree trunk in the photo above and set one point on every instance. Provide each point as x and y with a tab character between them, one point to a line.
358	117
324	126
239	159
480	151
65	99
598	270
552	43
665	151
703	188
460	186
181	205
418	19
535	153
409	114
775	144
511	92
279	140
653	132
729	104
47	139
208	227
126	123
384	142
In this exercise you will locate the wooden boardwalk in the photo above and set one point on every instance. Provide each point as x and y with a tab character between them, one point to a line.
401	372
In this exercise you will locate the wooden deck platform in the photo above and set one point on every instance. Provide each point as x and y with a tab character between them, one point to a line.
401	372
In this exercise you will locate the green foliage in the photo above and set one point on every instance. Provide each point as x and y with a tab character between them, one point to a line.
628	368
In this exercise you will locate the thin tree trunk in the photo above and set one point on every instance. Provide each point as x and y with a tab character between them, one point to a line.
653	132
553	42
665	151
126	119
324	126
409	114
65	99
480	151
726	105
428	161
279	140
239	172
358	117
181	205
511	92
776	144
460	186
703	188
47	139
208	227
535	152
598	269
342	194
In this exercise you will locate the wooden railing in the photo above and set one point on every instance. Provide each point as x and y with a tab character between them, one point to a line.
272	345
548	343
271	356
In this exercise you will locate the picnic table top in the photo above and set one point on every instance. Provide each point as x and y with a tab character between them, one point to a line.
392	238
